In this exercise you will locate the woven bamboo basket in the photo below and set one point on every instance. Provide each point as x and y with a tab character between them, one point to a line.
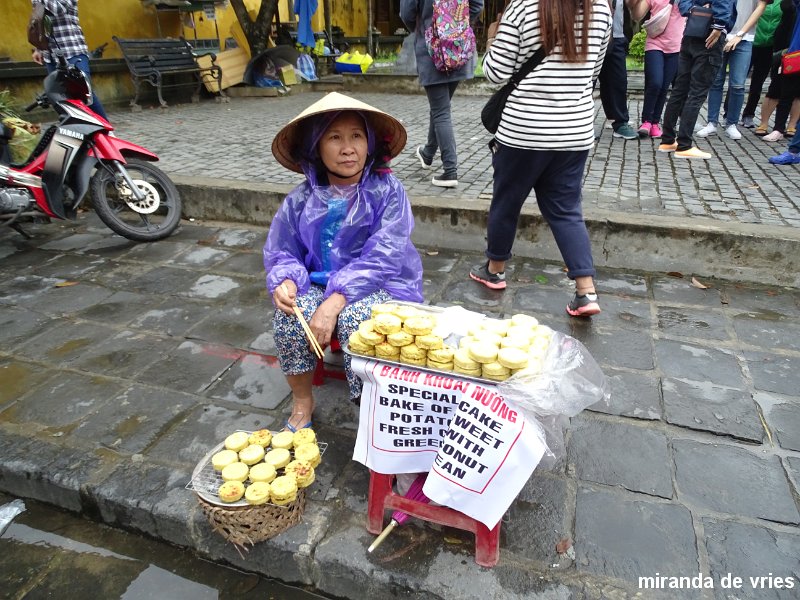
242	525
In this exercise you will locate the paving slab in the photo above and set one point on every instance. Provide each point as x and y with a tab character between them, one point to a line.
763	558
732	480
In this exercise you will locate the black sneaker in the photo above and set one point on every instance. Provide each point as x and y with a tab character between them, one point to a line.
495	281
583	306
425	164
445	181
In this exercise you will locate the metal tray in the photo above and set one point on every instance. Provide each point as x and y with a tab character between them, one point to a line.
205	480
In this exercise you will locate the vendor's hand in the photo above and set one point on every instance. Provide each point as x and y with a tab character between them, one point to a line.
284	297
37	57
325	318
712	38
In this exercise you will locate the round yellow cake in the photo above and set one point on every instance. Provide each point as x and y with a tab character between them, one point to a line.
252	454
262	437
223	458
309	453
278	457
257	493
381	309
399	338
235	472
440	366
495	371
283	490
387	351
462	360
284	439
304	436
231	491
513	358
387	324
262	472
302	471
419	325
357	344
483	352
237	441
429	341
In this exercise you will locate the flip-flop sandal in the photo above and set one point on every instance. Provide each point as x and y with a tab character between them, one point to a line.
760	131
293	429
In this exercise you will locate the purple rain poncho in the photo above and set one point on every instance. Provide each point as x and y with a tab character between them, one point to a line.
372	248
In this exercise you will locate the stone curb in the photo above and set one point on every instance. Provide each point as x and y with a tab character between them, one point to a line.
706	248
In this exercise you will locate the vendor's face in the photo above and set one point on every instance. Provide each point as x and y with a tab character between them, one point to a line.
343	149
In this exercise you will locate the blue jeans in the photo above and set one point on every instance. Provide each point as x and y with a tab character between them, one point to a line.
737	62
82	62
659	72
556	177
440	127
794	145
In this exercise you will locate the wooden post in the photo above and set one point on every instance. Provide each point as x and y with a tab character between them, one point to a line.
370	18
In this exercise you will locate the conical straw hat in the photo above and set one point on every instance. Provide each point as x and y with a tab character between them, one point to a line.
385	125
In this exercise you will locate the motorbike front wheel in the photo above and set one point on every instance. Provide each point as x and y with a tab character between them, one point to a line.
152	218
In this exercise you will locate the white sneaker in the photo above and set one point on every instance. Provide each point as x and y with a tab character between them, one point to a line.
732	132
708	130
775	136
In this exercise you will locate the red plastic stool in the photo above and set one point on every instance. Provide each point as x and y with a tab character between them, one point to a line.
321	372
382	498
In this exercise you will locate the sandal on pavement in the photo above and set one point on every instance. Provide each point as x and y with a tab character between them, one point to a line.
289	427
760	131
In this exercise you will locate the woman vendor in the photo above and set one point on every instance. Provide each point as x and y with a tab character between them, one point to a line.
341	240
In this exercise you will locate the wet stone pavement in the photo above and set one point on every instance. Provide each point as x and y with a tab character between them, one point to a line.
121	365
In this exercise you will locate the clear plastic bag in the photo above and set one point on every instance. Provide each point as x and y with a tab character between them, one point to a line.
8	512
570	381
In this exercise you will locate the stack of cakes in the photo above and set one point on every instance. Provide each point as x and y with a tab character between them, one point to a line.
259	466
497	348
402	333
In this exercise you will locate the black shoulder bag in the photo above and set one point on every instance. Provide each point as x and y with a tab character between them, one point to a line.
493	111
37	30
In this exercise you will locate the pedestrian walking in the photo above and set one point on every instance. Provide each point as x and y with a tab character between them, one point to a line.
546	132
439	88
735	64
698	63
660	61
67	37
613	78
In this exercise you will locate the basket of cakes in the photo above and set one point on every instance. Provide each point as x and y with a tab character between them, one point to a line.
452	340
252	486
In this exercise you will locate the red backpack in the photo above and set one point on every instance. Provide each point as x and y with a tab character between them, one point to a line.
450	39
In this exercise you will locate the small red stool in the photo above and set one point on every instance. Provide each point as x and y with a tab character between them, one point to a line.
382	498
321	372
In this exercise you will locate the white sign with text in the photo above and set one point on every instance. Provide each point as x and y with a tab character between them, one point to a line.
479	451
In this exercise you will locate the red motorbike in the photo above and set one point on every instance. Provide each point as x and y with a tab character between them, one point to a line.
130	195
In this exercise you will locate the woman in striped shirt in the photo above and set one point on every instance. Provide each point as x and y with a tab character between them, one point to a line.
546	131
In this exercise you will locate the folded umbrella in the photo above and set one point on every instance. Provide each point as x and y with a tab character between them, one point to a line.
399	517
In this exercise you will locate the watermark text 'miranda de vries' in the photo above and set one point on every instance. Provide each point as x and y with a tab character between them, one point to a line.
727	581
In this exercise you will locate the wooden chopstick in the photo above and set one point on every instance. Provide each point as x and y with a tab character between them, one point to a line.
314	343
299	314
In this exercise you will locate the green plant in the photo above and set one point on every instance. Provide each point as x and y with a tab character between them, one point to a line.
8	106
636	48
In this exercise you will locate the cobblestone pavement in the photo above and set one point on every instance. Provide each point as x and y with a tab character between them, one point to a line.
114	386
232	141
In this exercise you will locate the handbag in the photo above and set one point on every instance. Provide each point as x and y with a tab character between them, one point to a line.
37	34
493	110
698	23
790	63
657	23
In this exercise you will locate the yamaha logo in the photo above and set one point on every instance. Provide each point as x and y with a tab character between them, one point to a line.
72	134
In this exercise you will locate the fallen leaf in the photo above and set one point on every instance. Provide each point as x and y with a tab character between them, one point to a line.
563	545
432	252
452	540
540	279
66	284
697	284
675	274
